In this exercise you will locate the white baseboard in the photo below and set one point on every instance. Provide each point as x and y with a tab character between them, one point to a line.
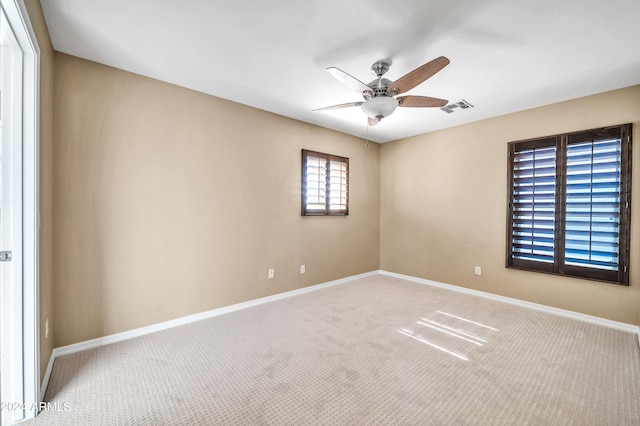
47	376
130	334
549	309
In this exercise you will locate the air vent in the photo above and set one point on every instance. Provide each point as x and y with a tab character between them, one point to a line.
461	104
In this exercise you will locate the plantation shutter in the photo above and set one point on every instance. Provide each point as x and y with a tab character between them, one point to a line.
596	206
325	184
593	204
316	184
338	174
534	203
569	204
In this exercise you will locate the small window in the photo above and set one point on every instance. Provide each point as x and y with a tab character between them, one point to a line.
325	184
569	204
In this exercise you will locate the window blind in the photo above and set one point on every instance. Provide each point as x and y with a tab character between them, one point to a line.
534	195
316	188
569	207
325	184
338	185
593	204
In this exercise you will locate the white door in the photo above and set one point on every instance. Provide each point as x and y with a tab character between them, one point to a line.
19	345
11	348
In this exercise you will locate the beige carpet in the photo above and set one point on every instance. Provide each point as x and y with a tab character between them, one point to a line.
378	350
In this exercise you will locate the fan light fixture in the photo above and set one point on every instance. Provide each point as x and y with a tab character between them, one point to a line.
380	107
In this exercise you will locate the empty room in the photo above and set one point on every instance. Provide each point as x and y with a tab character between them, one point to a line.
321	212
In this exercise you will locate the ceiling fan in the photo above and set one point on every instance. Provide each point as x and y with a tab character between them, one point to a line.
381	95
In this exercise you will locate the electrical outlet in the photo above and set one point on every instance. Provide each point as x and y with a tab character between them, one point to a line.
478	270
303	269
272	273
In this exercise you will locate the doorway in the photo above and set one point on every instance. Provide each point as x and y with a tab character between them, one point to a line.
19	347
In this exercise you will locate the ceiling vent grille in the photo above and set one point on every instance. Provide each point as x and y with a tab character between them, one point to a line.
461	104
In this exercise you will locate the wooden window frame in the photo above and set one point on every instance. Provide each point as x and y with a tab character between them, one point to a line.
327	211
558	267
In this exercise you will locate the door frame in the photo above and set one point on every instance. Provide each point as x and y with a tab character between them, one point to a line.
18	17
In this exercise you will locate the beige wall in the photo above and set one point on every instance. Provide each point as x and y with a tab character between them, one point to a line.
46	178
443	206
169	202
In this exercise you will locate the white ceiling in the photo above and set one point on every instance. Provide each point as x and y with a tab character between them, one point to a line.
506	55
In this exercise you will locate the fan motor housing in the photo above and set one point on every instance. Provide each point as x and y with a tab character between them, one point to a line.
380	86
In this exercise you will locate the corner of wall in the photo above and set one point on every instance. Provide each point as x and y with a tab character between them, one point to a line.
45	203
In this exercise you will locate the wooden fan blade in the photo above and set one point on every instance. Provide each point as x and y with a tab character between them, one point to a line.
349	81
373	121
350	104
420	101
417	76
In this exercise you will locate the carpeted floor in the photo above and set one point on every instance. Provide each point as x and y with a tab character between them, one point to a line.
378	350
